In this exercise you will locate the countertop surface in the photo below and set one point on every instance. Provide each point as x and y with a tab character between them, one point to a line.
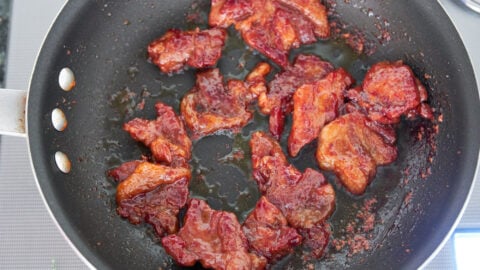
29	239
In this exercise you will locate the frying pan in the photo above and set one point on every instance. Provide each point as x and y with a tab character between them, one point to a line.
104	43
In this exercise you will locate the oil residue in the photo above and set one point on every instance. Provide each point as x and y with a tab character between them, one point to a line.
221	173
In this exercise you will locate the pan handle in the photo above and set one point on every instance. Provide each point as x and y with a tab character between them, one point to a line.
12	112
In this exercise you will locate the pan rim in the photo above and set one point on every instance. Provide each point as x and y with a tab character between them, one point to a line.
79	254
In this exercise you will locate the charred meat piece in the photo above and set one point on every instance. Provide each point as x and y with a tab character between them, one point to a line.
316	238
224	13
353	146
158	207
273	27
277	102
123	171
268	160
214	238
157	201
314	105
305	203
389	91
314	11
197	48
166	136
307	69
211	106
148	176
256	81
306	200
268	233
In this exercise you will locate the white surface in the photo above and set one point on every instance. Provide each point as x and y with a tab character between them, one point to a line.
28	237
466	252
12	112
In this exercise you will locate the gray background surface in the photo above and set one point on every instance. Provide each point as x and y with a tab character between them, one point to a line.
29	239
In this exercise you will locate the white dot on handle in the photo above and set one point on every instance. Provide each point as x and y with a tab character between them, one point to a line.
66	79
63	163
59	121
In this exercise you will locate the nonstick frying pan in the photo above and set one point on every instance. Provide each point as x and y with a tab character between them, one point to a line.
104	43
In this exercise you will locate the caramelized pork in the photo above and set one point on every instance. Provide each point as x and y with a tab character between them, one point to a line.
123	171
353	146
211	106
306	200
266	155
316	239
273	27
305	203
268	233
166	136
277	102
224	13
307	69
151	193
158	207
314	11
314	105
197	48
389	91
148	176
213	238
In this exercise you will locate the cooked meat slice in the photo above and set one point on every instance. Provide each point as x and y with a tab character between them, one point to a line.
148	176
314	105
305	199
197	48
315	12
423	110
267	160
268	233
316	238
269	31
276	121
305	203
262	146
166	136
123	171
214	238
307	69
353	146
390	90
272	27
256	81
224	13
210	106
158	207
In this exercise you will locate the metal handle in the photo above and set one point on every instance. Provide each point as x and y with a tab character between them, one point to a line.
12	112
472	4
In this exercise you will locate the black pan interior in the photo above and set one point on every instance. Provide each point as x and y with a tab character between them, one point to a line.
104	43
